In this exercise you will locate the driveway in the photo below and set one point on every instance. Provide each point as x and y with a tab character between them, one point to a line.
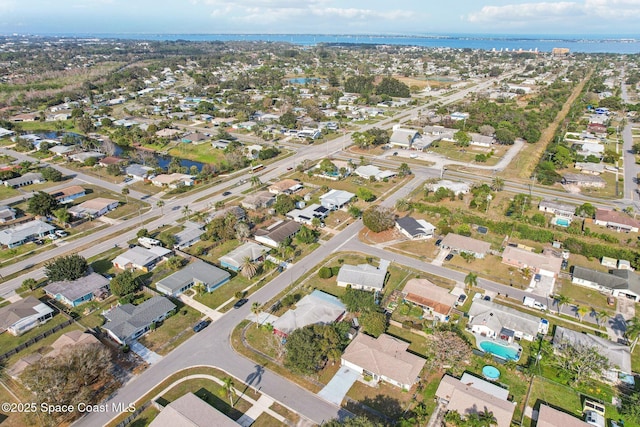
339	385
147	355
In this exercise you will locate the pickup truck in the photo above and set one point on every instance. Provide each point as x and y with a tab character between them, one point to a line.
531	302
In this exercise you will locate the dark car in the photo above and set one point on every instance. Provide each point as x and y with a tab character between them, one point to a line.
395	153
38	242
240	303
290	168
448	257
226	193
487	298
200	326
438	242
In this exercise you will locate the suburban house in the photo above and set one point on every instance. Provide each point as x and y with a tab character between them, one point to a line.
336	199
190	235
415	228
20	316
138	172
195	273
316	308
479	140
62	150
75	292
370	171
259	200
463	244
471	395
236	211
583	180
286	186
618	221
456	187
110	160
220	144
403	138
620	282
433	299
235	259
563	210
190	410
28	178
65	343
497	321
277	233
546	263
173	180
25	232
83	156
590	168
551	417
363	276
140	258
94	208
7	214
195	138
128	322
618	355
307	214
68	194
383	359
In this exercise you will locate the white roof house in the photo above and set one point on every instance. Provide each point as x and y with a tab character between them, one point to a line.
140	258
403	137
369	171
456	187
317	307
198	272
363	276
505	323
307	214
234	259
336	199
20	316
415	228
23	233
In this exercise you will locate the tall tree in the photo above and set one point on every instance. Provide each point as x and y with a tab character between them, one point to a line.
471	280
160	204
42	204
248	268
561	300
123	284
69	267
228	389
256	308
632	331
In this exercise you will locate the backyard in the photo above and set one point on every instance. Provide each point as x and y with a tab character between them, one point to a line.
172	331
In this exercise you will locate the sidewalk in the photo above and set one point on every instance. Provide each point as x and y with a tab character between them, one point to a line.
209	312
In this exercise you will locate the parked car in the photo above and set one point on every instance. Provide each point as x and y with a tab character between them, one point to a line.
200	325
438	242
226	193
240	302
61	233
448	257
395	153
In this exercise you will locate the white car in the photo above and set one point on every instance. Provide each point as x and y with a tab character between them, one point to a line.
539	306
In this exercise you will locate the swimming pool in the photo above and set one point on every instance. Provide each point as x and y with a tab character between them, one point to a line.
562	222
491	372
508	353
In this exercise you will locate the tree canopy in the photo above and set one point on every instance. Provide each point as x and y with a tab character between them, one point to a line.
42	204
392	87
378	218
68	267
308	348
123	284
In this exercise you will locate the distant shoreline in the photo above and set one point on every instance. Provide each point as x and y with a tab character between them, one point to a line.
541	43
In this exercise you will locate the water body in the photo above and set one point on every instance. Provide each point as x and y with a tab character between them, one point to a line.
304	80
584	43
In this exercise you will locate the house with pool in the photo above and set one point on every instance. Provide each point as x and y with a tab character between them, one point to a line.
497	327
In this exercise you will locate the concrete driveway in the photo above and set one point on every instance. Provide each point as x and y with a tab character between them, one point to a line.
147	355
339	385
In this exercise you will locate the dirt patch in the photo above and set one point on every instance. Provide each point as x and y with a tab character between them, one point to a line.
369	237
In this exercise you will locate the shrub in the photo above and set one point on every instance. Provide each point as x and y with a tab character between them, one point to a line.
325	273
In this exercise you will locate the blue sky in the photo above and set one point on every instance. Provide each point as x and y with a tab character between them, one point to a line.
611	17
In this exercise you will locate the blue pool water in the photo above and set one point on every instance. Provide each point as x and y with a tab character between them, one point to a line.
491	372
499	350
562	222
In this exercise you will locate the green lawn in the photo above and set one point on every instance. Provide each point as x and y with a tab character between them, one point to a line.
8	341
40	346
266	420
212	393
173	331
145	417
203	153
7	192
419	344
219	296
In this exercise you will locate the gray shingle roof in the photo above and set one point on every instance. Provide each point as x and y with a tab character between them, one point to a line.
497	316
196	271
617	354
74	289
27	230
364	274
125	320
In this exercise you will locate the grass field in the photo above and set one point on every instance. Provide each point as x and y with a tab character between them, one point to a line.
172	332
203	153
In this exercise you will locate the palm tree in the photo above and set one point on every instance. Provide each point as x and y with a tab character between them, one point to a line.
561	300
248	268
125	193
160	204
632	332
581	310
256	308
453	417
601	316
186	211
228	389
471	280
255	181
486	418
497	184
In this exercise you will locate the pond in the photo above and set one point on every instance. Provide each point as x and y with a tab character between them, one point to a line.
304	80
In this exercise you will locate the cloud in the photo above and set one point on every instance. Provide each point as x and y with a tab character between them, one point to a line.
7	6
523	13
526	12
